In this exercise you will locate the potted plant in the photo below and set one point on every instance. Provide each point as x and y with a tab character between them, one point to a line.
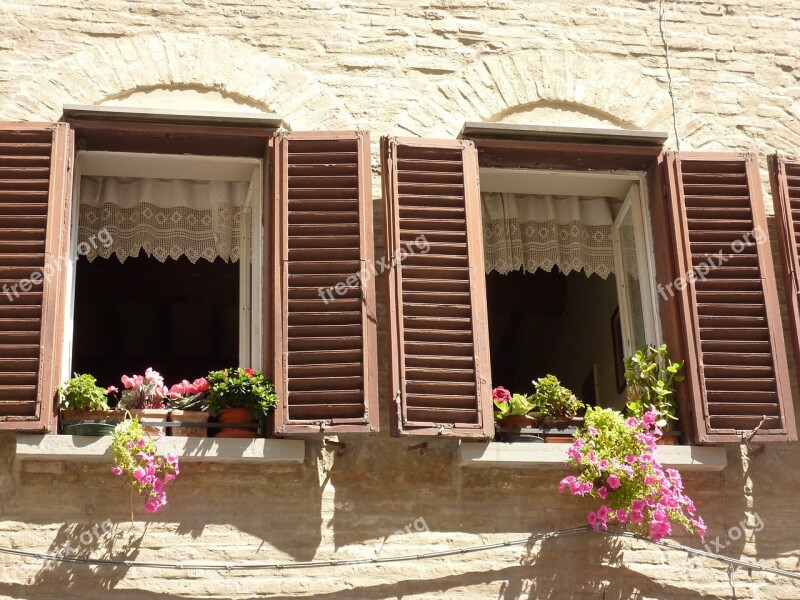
240	396
651	377
618	468
135	458
514	411
188	403
144	396
84	407
559	408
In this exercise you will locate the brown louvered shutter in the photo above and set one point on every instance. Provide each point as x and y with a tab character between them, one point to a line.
35	196
325	353
785	179
438	332
737	370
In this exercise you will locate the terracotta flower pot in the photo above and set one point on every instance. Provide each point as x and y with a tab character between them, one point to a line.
151	414
239	416
189	416
518	422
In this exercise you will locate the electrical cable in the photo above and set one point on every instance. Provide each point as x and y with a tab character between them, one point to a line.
390	559
662	25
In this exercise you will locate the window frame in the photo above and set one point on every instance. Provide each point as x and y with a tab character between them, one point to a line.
617	184
565	149
103	163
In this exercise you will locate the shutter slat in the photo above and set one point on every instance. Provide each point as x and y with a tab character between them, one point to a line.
325	353
436	297
731	312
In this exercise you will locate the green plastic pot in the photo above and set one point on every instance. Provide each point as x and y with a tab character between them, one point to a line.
95	429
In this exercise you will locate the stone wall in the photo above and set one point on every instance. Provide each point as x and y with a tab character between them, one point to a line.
422	69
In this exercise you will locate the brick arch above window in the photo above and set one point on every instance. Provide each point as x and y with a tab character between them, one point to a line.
493	87
115	68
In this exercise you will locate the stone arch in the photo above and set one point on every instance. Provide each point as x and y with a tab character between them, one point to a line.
614	90
113	68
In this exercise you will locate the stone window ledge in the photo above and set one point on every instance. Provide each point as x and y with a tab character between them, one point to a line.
80	448
521	455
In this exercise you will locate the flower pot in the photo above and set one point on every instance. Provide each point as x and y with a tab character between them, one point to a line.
518	422
558	439
239	416
151	414
72	417
93	429
189	416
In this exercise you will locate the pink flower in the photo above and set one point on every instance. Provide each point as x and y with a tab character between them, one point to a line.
152	505
501	394
171	459
593	431
622	515
632	422
198	385
613	481
592	518
638	505
116	470
636	516
112	390
649	418
139	474
567	481
602	491
128	382
630	459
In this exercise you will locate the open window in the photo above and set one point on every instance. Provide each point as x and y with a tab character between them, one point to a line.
186	242
664	216
166	265
568	275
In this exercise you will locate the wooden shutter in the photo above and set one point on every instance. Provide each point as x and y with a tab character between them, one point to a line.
438	333
325	357
737	371
35	197
785	179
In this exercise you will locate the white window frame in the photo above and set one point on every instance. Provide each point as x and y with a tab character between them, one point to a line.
630	187
174	166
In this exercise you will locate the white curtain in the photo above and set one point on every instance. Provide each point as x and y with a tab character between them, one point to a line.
163	218
530	232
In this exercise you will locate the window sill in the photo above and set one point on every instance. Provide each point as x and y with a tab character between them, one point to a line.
190	449
527	455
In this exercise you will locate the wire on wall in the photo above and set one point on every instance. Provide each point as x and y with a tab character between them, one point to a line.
390	559
662	24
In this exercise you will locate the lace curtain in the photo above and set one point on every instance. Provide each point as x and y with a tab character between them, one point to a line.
532	232
163	218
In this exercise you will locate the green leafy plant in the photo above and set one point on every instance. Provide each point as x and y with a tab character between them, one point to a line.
651	377
82	393
507	404
554	400
618	467
240	388
135	458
